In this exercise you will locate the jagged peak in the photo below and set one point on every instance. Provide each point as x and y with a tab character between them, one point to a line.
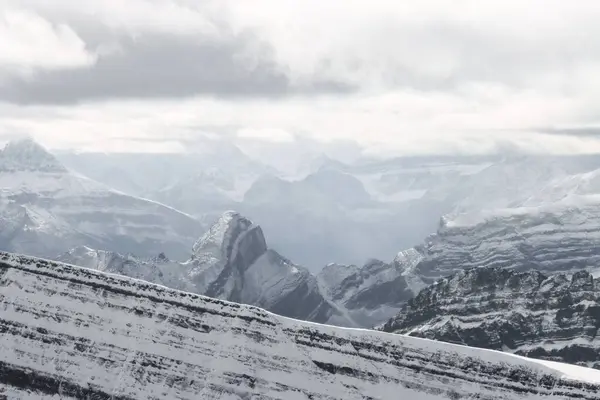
224	233
28	155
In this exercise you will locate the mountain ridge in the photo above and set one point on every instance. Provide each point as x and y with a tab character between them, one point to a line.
51	209
231	261
109	336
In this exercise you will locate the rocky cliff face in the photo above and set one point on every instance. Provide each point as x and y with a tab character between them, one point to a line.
551	317
554	238
231	262
562	237
77	333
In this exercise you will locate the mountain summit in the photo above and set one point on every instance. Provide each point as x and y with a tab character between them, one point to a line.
231	261
231	228
49	209
28	155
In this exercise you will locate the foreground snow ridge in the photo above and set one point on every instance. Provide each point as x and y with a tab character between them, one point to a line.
75	333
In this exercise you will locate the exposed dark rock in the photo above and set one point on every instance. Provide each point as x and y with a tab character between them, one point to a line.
551	317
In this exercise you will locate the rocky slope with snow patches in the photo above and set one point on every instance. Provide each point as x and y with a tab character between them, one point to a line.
46	209
231	261
552	317
560	237
77	333
367	295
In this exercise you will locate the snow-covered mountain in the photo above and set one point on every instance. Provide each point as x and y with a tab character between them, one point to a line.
551	317
216	174
231	261
554	238
558	237
76	333
46	209
341	212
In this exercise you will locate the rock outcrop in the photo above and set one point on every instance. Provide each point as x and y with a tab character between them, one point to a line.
551	317
367	295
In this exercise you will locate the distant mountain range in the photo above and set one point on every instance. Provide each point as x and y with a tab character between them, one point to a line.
550	231
46	209
340	213
231	261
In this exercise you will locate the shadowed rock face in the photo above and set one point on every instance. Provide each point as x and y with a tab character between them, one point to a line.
230	261
551	317
76	333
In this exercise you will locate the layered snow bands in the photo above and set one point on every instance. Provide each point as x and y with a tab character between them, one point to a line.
74	333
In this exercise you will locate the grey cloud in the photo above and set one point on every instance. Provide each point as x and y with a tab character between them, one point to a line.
175	66
581	131
165	66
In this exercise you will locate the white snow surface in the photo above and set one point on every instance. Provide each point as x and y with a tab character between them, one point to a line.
76	333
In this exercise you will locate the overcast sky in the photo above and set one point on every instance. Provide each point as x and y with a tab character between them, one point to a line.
396	77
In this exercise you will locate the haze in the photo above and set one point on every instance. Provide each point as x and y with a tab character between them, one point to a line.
347	129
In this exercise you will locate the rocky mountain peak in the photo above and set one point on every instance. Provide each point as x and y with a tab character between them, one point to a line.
229	233
28	155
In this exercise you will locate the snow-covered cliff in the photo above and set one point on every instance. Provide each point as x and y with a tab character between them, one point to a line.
557	237
75	333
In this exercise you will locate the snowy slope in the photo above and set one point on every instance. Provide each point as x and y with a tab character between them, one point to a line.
554	317
76	333
231	261
46	209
